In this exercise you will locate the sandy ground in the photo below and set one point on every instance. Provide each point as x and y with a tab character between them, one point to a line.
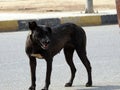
52	5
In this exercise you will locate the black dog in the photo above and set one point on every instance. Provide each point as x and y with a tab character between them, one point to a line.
45	42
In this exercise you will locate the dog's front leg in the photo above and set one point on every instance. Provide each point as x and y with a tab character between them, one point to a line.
33	72
48	73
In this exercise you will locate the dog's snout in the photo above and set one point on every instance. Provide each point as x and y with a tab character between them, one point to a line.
47	41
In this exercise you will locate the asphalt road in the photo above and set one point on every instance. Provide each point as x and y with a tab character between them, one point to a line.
103	49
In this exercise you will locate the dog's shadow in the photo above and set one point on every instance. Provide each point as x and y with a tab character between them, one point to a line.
107	87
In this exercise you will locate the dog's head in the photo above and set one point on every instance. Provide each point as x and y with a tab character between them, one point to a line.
40	34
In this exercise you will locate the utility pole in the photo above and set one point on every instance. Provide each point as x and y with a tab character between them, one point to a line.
118	10
89	6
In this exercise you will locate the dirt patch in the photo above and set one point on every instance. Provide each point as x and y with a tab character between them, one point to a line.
52	5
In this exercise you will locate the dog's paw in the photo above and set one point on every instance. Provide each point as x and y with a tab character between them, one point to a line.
44	89
89	84
31	88
68	84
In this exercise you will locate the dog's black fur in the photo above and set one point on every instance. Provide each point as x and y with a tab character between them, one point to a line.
47	42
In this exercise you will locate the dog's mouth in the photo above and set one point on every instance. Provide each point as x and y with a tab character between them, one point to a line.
45	45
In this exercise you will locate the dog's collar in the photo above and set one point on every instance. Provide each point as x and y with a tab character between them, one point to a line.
39	56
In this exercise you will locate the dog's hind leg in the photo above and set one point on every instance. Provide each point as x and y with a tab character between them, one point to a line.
82	54
68	51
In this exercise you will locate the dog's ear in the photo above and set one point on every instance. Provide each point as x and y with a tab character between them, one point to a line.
49	29
32	25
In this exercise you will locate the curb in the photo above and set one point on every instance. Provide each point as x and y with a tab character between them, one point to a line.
9	25
83	20
90	20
